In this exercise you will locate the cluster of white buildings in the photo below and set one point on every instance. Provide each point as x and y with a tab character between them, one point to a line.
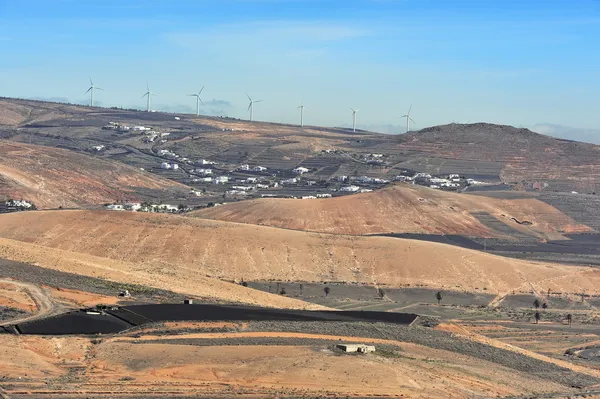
248	168
19	204
116	126
138	207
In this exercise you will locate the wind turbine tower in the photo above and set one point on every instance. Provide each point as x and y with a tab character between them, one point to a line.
301	114
198	100
354	111
251	105
91	90
148	94
408	119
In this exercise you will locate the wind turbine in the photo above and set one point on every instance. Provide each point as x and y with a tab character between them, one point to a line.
91	89
301	114
408	119
251	105
198	100
354	111
148	94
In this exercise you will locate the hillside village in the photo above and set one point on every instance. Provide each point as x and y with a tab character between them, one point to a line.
230	181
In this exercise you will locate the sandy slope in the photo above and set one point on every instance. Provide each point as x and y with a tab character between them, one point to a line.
52	177
419	372
401	208
180	280
164	249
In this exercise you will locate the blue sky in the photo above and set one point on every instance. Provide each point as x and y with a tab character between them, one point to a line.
513	62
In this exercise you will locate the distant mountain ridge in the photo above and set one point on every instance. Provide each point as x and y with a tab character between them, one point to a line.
489	152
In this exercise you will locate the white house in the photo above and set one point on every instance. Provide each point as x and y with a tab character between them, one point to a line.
123	128
341	178
365	190
300	170
293	180
244	167
350	188
205	162
259	169
243	188
422	176
453	176
174	166
132	206
115	207
309	197
220	180
323	195
434	186
251	180
165	165
203	171
99	147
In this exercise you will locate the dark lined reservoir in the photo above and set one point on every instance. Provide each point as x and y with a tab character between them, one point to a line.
117	319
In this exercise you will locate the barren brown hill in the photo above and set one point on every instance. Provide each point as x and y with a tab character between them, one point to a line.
52	177
401	208
179	246
15	112
181	280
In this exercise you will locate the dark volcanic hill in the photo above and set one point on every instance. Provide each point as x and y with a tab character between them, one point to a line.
515	155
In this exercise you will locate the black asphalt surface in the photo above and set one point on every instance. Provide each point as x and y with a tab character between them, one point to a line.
114	321
74	323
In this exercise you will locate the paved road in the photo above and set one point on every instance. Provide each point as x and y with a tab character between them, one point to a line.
46	304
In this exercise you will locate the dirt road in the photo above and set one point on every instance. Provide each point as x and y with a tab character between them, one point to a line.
45	303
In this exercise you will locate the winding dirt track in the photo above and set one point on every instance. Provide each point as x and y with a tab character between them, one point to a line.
46	304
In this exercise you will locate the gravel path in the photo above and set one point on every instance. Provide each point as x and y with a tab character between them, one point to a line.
7	314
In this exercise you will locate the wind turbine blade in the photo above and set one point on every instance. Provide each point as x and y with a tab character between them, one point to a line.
352	109
411	119
409	109
259	101
192	95
201	102
145	94
248	97
357	110
200	92
404	116
249	106
88	90
91	83
98	88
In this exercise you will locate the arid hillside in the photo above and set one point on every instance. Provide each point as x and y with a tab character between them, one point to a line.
401	208
519	154
179	246
186	281
52	177
15	112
